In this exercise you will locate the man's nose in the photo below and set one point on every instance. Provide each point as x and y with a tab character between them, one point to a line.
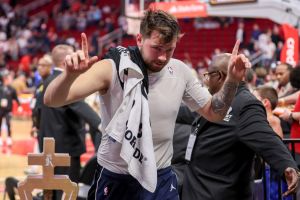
162	57
278	76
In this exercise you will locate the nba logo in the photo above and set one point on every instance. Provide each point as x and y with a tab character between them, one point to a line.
170	70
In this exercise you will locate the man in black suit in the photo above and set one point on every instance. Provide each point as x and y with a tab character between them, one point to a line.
221	161
67	123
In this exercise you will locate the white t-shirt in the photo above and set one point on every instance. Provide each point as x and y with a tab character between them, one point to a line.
167	89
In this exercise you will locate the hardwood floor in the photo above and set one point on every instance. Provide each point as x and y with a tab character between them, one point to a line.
13	160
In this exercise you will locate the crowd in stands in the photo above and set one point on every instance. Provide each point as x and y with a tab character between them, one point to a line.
263	47
25	38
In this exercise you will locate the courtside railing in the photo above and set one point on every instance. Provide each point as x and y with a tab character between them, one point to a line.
267	175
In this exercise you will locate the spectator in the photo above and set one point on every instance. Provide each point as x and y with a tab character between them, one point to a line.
275	36
81	22
255	33
7	95
241	34
20	85
251	79
269	98
283	77
267	48
293	116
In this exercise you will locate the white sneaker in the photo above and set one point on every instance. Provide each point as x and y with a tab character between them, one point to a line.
8	141
31	170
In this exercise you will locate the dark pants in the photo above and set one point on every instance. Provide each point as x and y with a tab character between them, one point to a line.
73	171
11	184
111	186
7	116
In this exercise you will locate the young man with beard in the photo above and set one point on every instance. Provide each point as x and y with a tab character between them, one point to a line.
141	86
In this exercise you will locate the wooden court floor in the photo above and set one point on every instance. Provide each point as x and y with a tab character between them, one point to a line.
13	160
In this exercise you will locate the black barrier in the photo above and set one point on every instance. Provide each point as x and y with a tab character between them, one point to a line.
291	145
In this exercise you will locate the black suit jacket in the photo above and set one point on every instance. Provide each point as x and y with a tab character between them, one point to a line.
182	131
8	94
222	161
66	124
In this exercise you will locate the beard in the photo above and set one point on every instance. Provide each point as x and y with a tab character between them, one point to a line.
155	67
152	65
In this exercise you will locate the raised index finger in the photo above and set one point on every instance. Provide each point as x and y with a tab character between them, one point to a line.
84	45
235	49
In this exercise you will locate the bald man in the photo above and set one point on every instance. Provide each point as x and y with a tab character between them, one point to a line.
221	159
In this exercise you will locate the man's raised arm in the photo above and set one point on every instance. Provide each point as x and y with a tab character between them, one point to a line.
216	109
82	76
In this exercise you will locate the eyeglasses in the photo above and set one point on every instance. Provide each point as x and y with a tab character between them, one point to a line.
208	75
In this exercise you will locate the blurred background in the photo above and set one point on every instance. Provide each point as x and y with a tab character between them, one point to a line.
29	29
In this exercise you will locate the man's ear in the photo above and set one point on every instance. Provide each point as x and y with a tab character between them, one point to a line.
266	103
222	77
139	39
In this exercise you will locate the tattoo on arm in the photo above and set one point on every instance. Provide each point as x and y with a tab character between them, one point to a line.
221	101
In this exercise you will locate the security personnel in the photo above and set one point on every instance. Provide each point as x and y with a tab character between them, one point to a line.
221	156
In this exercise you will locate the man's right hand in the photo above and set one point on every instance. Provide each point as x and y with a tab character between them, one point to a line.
33	132
80	61
292	179
285	115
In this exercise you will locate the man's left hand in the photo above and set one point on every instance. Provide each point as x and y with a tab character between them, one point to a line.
237	64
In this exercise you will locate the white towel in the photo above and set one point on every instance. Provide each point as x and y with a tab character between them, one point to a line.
130	126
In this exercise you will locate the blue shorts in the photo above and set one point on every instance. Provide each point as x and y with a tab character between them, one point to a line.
112	186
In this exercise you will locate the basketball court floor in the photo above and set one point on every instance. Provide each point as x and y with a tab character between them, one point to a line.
13	159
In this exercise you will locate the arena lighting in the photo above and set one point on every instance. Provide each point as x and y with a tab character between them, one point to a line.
278	11
218	2
182	9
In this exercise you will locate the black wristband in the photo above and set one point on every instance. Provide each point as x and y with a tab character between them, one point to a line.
291	117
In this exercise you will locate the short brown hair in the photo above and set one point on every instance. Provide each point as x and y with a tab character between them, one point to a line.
267	92
166	24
